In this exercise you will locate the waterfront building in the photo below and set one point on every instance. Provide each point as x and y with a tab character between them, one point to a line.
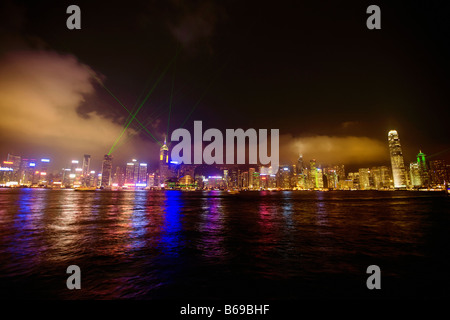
438	172
142	178
423	169
106	171
397	162
414	173
164	170
364	178
312	174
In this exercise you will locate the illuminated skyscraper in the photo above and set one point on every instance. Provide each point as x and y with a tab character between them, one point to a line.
300	164
142	180
43	171
375	174
27	171
313	174
438	172
364	179
86	164
319	178
414	172
164	153
136	171
397	162
14	163
164	172
129	173
106	171
251	175
423	169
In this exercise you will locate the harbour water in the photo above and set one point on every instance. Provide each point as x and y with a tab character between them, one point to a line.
216	245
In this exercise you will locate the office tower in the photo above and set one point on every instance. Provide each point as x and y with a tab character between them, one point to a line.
438	172
234	178
226	177
423	168
379	178
386	178
86	164
27	171
374	178
151	180
284	177
364	181
312	174
251	175
300	165
106	171
14	163
66	180
319	178
340	172
414	172
164	170
256	180
119	177
397	163
142	180
331	178
129	174
74	166
7	173
43	169
354	177
136	171
164	153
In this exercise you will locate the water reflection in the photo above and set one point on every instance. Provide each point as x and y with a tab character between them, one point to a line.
139	221
26	236
213	244
211	226
171	231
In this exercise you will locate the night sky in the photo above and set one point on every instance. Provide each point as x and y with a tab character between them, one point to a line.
309	68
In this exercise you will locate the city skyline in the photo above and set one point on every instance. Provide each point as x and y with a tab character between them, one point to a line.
423	173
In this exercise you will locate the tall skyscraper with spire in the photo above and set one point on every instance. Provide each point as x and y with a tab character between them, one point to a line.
163	163
300	164
397	162
164	153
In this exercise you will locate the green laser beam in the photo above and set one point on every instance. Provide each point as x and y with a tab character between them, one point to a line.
140	106
171	92
438	153
148	122
170	101
140	96
117	99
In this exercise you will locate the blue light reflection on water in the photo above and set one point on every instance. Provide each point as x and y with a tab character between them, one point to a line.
31	206
171	236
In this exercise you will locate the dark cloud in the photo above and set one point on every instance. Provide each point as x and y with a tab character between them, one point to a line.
194	22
